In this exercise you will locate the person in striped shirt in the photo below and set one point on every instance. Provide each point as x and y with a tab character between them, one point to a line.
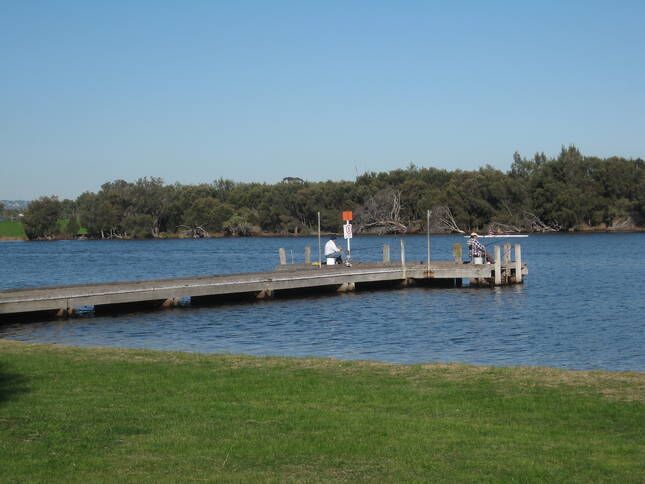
477	249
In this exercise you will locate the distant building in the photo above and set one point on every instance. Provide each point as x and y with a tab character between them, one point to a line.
15	204
292	179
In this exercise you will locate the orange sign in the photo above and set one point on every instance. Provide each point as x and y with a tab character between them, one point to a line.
347	216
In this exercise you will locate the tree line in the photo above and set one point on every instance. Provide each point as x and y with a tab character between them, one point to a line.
567	192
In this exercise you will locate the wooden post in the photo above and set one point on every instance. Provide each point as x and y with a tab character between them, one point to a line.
171	302
264	294
283	256
498	266
403	260
506	260
506	263
319	248
386	253
346	287
66	312
518	263
456	253
308	255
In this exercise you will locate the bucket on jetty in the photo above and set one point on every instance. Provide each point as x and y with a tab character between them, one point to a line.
331	261
478	260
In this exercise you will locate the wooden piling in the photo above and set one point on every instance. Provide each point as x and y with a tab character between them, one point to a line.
518	263
506	259
347	287
283	256
386	253
498	266
264	294
403	259
308	255
456	253
171	302
66	312
407	282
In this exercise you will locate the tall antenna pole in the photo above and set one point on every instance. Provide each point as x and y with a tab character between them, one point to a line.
319	251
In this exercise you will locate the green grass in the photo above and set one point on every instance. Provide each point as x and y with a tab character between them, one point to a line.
76	415
64	222
12	230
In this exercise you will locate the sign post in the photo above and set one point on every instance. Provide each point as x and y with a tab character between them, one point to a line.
347	233
319	249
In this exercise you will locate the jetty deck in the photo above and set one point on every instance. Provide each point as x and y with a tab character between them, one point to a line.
285	280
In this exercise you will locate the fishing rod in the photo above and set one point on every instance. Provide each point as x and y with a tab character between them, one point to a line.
366	248
499	238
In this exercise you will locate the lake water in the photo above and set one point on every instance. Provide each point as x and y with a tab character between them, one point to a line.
582	305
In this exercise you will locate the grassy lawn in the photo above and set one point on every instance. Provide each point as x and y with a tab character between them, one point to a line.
15	230
69	414
12	230
64	222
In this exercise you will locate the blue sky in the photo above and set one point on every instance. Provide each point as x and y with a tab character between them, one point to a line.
256	91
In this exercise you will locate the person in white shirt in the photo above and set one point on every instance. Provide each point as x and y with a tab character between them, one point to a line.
332	250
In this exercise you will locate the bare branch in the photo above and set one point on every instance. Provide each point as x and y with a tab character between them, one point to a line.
381	213
442	220
194	231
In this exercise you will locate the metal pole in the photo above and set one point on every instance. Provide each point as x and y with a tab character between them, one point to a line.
319	251
349	247
428	228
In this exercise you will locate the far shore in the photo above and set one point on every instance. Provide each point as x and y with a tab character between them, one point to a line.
12	239
221	235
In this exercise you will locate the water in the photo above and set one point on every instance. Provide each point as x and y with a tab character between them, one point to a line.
582	305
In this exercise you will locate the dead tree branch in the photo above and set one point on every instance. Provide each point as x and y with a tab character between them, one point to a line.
194	231
382	214
442	220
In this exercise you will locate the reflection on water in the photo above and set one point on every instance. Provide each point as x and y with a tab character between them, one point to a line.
581	306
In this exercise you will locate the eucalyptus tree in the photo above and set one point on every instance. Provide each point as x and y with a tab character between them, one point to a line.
41	218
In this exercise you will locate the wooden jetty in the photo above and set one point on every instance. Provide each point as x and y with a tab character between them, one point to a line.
287	280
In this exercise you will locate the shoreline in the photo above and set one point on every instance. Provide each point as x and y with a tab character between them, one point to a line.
331	360
13	239
270	235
